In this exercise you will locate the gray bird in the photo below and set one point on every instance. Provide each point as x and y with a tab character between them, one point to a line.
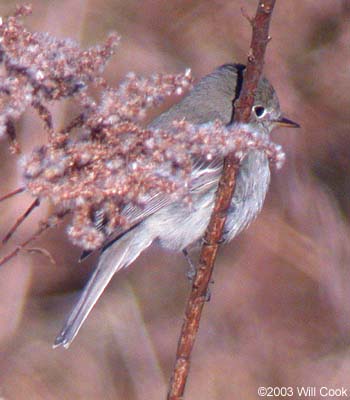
175	225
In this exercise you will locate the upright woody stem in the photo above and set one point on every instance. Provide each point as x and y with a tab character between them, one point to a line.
260	38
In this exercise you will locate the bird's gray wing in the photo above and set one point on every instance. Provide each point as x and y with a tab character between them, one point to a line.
205	175
122	250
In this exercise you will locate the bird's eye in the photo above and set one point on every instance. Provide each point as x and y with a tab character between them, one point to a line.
259	111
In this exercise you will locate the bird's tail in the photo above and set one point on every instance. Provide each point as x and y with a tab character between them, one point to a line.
115	257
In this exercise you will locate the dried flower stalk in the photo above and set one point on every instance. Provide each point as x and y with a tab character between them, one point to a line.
114	161
38	68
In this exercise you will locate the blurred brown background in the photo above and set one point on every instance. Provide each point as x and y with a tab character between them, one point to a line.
280	308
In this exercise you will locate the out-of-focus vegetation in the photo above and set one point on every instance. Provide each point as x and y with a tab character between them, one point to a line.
280	306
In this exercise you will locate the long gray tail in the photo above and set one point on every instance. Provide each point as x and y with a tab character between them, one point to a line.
115	257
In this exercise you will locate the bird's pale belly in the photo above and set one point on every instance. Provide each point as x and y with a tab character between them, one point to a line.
180	225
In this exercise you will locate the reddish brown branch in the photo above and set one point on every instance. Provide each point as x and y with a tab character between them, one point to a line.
52	221
255	63
75	123
225	191
19	220
44	114
11	133
13	193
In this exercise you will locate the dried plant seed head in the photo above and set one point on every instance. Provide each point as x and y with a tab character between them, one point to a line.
113	164
38	68
127	166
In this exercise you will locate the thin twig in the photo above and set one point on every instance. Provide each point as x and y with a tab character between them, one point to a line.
44	252
51	222
19	220
11	133
75	123
247	16
13	193
223	199
44	114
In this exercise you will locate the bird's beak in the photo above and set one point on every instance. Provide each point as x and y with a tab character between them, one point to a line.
282	121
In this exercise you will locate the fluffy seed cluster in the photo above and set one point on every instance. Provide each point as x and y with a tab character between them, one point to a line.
113	163
97	177
37	67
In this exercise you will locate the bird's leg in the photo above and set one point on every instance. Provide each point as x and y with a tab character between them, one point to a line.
191	269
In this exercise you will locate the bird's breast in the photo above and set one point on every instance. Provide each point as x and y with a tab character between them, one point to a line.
252	183
179	225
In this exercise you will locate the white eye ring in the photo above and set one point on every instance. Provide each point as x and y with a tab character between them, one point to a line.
259	111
